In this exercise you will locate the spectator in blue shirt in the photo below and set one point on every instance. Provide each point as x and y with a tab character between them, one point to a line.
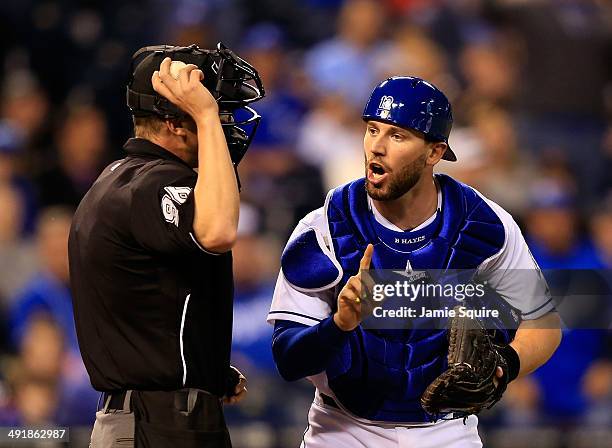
47	296
563	252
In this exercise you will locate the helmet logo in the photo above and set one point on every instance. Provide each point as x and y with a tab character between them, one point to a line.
384	108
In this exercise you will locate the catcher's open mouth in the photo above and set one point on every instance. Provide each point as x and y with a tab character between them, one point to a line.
377	168
376	173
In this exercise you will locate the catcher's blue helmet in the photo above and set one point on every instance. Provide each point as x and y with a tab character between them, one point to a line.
412	103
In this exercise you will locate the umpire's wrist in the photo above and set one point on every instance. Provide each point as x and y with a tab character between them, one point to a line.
513	362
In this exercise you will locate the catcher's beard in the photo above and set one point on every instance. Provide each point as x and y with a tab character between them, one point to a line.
399	183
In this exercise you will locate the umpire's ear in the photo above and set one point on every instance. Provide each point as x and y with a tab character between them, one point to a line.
179	127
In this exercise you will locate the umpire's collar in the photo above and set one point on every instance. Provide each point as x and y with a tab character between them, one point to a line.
144	147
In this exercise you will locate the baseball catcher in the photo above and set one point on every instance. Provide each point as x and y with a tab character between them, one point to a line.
388	386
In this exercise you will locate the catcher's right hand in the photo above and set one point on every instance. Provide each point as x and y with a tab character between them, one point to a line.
351	309
186	91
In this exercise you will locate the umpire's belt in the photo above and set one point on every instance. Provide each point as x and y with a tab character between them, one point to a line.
117	401
184	400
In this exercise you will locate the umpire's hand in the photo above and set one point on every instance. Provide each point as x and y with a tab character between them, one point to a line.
351	309
186	91
237	383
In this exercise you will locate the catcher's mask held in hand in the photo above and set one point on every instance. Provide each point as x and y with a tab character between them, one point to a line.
232	81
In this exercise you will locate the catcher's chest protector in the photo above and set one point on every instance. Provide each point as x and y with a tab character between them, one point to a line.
383	373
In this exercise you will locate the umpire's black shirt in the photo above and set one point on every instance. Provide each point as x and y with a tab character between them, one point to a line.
153	309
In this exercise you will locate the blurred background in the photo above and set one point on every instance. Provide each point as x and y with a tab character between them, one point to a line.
530	82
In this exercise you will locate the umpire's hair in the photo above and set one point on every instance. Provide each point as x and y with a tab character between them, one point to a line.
147	127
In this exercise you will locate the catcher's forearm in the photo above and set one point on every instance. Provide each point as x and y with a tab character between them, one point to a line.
536	340
300	351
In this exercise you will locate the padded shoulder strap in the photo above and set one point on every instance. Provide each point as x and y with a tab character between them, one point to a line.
349	227
478	234
309	263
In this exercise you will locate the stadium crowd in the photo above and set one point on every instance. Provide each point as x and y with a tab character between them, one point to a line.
531	86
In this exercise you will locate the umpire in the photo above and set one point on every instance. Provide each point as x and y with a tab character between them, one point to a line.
150	260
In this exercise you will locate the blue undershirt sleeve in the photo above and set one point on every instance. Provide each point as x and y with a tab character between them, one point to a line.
300	351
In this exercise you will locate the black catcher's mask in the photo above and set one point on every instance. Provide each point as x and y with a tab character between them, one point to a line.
233	82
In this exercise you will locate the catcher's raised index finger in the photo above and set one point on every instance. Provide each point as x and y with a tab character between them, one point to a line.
364	264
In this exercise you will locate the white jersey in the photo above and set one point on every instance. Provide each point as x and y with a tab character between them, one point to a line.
511	272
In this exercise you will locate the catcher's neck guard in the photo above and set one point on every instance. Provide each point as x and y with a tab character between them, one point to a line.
232	81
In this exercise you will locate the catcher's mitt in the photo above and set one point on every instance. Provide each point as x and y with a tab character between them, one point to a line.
467	386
